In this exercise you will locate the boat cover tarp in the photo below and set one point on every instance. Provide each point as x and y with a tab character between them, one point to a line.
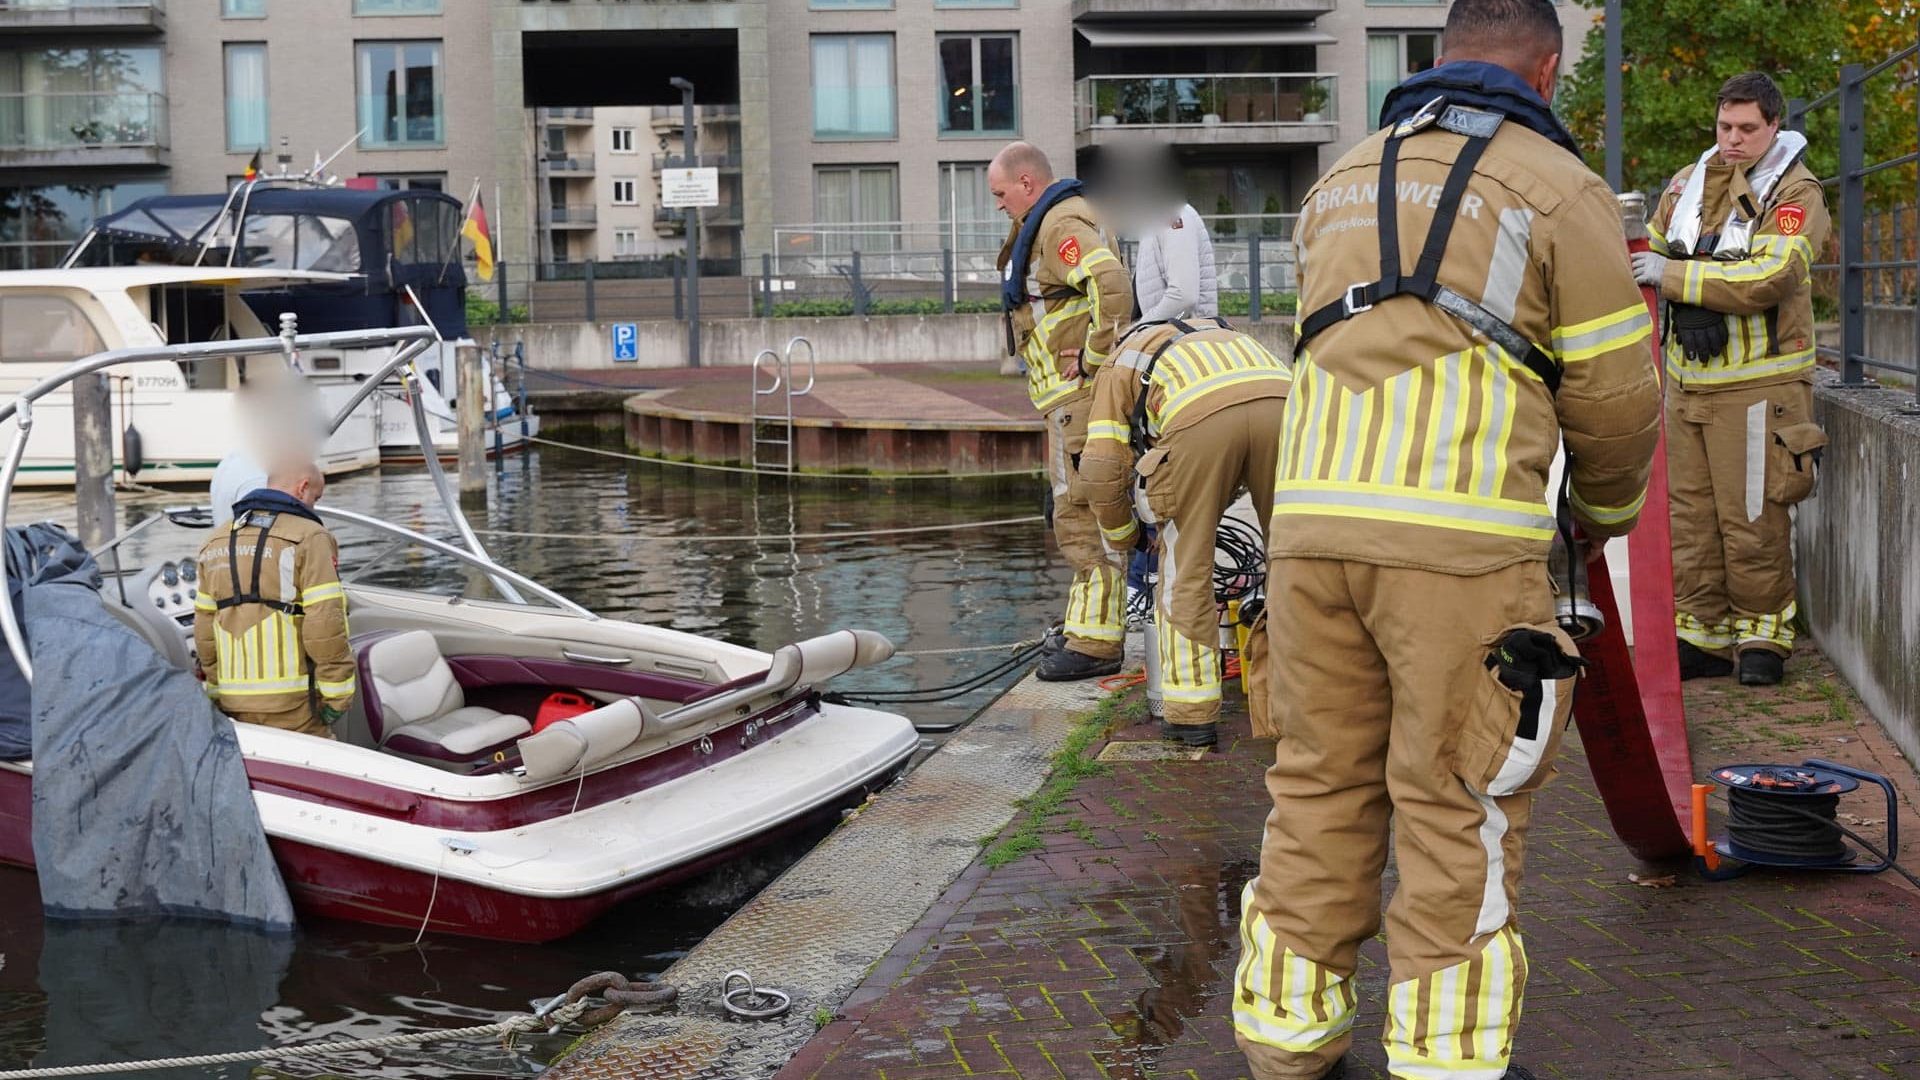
42	552
140	798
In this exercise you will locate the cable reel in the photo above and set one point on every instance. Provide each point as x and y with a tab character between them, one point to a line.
1787	817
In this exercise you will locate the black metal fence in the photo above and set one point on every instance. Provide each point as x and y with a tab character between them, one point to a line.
1888	271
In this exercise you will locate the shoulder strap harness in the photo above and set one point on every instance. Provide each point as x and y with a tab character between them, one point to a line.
252	595
1479	127
1137	423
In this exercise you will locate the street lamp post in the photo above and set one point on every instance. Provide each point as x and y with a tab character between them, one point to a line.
688	141
1612	85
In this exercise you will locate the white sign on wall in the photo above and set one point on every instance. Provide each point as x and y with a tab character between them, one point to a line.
689	187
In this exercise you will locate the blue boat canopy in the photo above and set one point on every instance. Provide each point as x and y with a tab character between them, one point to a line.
388	239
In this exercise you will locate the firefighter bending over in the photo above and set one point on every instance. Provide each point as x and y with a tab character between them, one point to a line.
270	619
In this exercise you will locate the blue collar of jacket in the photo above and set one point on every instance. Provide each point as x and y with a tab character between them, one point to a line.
1482	86
1013	278
273	502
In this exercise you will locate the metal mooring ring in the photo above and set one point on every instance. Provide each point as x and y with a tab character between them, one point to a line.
750	1002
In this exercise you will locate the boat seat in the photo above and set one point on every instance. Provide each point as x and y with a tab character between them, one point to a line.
416	707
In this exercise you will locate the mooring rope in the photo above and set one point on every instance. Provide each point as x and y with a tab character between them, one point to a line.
601	537
890	478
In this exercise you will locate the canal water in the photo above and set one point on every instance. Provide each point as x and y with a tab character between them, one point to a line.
694	550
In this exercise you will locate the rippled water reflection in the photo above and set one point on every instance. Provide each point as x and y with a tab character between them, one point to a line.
641	542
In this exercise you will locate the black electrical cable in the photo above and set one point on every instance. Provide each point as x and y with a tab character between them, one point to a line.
1751	810
934	694
1245	570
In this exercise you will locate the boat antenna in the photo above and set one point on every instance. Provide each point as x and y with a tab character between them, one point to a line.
320	169
284	158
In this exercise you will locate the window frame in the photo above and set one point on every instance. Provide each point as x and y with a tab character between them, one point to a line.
439	9
633	191
614	141
893	85
849	5
979	112
1400	34
363	75
227	12
266	96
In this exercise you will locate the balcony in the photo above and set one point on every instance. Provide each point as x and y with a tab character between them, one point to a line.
83	129
69	16
667	118
567	165
669	222
724	160
572	116
572	217
1208	110
1186	11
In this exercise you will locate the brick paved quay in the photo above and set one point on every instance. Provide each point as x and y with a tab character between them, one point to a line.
1109	951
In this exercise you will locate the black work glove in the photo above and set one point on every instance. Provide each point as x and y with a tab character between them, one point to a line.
1702	334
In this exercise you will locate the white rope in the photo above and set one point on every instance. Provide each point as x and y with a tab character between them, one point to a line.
601	537
564	1014
890	477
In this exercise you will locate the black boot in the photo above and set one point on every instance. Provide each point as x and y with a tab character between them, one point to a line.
1696	663
1515	1072
1069	666
1759	667
1054	639
1196	735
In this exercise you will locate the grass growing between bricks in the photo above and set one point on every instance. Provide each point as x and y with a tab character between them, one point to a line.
1071	763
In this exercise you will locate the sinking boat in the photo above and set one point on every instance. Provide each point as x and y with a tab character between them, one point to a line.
393	260
439	805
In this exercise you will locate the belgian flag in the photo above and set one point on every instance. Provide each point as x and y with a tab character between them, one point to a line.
253	167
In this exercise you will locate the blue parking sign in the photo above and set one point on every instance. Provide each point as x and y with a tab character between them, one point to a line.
626	341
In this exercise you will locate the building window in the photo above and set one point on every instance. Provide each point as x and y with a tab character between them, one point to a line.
246	96
67	97
623	140
626	243
858	207
1391	57
243	9
976	3
396	7
979	84
400	88
39	223
412	181
853	86
845	5
623	193
968	221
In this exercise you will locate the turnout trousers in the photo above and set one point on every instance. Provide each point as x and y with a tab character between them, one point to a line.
1197	473
1097	600
306	720
1731	477
1389	715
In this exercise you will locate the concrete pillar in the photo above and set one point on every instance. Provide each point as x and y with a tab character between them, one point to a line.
473	399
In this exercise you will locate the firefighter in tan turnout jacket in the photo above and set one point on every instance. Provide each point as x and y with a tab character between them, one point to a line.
1467	306
1734	242
1066	297
270	616
1194	408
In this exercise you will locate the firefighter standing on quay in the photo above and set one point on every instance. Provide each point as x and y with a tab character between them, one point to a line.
1734	240
1195	409
1066	298
1467	306
270	616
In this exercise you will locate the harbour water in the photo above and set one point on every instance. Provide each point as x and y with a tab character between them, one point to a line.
697	551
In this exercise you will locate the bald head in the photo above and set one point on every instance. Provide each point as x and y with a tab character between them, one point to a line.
1522	36
300	478
1018	175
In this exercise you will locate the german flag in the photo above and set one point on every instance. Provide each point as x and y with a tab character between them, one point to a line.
476	230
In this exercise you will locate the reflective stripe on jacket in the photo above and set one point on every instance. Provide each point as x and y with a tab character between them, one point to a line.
1079	297
257	657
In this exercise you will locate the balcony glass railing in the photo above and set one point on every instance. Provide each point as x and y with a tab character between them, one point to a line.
1204	100
82	5
719	159
572	215
980	110
853	112
559	163
392	122
69	121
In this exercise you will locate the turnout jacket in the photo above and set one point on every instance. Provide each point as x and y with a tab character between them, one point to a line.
1413	440
273	656
1766	295
1078	296
1193	376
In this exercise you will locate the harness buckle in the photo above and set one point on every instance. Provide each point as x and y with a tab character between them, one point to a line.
1355	302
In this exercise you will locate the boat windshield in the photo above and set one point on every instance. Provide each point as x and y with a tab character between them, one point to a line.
300	242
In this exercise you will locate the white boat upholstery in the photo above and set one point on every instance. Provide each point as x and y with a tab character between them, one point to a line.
423	711
583	741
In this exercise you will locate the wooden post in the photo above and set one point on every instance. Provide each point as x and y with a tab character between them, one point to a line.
93	458
474	397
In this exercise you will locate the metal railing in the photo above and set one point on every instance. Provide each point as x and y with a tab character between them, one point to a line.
569	163
575	112
65	121
7	6
1204	100
1854	267
572	215
719	159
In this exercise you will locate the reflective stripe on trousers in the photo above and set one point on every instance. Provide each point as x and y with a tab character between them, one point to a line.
1189	669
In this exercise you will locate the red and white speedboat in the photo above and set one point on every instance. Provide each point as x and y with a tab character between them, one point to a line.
438	805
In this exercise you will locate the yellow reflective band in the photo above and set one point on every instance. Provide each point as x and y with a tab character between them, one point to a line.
1121	535
1436	1031
1413	506
1596	337
1607	515
204	602
1721	373
1656	239
263	687
1107	429
1700	635
341	689
329	591
1171	406
1306	1007
211	689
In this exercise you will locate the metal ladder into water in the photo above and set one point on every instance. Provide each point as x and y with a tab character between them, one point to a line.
772	436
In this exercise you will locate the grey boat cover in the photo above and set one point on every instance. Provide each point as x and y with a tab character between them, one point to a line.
140	798
43	552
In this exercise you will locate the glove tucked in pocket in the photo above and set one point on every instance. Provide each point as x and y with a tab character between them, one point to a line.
1523	695
1793	462
1155	471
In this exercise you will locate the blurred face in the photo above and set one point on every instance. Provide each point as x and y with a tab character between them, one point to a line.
1012	195
309	490
1743	134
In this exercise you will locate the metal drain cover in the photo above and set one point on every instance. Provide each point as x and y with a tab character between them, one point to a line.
1154	750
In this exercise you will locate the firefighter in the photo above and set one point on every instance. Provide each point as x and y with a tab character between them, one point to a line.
1192	408
1467	307
270	616
1065	297
1734	240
